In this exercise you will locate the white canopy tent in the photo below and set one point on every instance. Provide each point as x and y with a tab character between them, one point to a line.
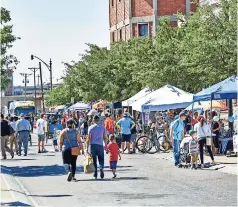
136	97
167	97
79	107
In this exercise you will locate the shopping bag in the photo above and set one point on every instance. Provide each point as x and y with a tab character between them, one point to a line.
208	141
88	165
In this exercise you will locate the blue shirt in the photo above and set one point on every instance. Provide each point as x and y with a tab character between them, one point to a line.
178	128
23	125
125	124
97	133
70	139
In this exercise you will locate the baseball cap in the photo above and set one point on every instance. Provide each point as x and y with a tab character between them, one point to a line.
126	114
215	118
191	132
182	114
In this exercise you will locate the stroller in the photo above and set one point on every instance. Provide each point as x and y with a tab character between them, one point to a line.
185	156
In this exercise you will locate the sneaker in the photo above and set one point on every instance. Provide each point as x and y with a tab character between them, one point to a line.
74	179
114	176
101	173
4	158
69	178
202	166
25	154
19	154
179	165
39	151
95	175
12	155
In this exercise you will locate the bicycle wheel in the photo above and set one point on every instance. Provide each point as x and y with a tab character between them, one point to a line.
163	143
153	146
141	144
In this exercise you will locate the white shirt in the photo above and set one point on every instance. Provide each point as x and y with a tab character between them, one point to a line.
203	131
13	125
40	124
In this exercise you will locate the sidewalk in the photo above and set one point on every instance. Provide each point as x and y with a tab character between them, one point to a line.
6	196
223	164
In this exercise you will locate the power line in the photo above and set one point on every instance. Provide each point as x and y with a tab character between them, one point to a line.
25	75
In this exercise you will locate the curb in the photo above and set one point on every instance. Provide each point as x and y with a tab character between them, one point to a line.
17	190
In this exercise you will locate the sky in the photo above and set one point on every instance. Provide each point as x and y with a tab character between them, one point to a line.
56	29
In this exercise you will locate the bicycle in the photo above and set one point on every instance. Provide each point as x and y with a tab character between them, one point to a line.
165	143
148	143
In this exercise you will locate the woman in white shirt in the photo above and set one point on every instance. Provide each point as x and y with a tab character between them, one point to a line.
203	130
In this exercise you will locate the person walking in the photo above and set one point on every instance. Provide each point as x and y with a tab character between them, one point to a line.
125	124
176	135
70	138
216	127
203	130
96	136
23	128
5	132
114	154
13	137
109	125
41	128
133	136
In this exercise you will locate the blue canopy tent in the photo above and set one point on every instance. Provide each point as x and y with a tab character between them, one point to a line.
226	89
116	105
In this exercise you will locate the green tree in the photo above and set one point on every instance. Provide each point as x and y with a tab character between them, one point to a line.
7	39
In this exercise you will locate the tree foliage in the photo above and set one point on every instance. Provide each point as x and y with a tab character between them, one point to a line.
8	61
195	55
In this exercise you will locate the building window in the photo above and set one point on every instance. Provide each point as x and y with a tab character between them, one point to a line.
112	3
120	34
143	30
113	37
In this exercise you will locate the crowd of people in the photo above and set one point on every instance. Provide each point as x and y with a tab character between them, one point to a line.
115	134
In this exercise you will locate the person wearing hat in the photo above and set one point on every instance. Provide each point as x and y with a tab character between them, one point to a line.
23	128
97	136
126	124
193	148
177	134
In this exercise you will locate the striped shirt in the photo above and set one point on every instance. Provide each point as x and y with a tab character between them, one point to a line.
193	145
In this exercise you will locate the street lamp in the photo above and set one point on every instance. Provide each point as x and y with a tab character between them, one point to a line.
48	66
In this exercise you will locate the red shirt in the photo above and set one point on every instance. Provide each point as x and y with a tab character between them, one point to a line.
113	151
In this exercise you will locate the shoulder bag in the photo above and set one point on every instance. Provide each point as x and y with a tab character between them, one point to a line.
208	138
74	150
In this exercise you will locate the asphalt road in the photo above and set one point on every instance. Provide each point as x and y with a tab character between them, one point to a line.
142	180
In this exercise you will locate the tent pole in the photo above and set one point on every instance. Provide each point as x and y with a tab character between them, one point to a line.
211	123
143	129
192	115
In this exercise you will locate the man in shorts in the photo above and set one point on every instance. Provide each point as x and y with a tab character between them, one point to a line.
125	124
40	124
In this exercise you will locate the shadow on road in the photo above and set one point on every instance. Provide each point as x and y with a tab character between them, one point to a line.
51	196
34	171
14	204
16	159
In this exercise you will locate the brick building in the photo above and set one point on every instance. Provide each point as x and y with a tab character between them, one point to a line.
136	18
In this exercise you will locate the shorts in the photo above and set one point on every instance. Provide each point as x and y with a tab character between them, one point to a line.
194	156
55	143
126	137
113	165
133	137
41	137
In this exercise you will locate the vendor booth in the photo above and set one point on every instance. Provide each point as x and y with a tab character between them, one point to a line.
204	105
136	97
80	106
100	105
165	98
226	89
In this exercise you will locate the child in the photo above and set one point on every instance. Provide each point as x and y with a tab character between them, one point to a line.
193	148
114	153
55	137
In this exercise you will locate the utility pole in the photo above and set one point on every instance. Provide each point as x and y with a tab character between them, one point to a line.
34	71
38	80
25	75
42	88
